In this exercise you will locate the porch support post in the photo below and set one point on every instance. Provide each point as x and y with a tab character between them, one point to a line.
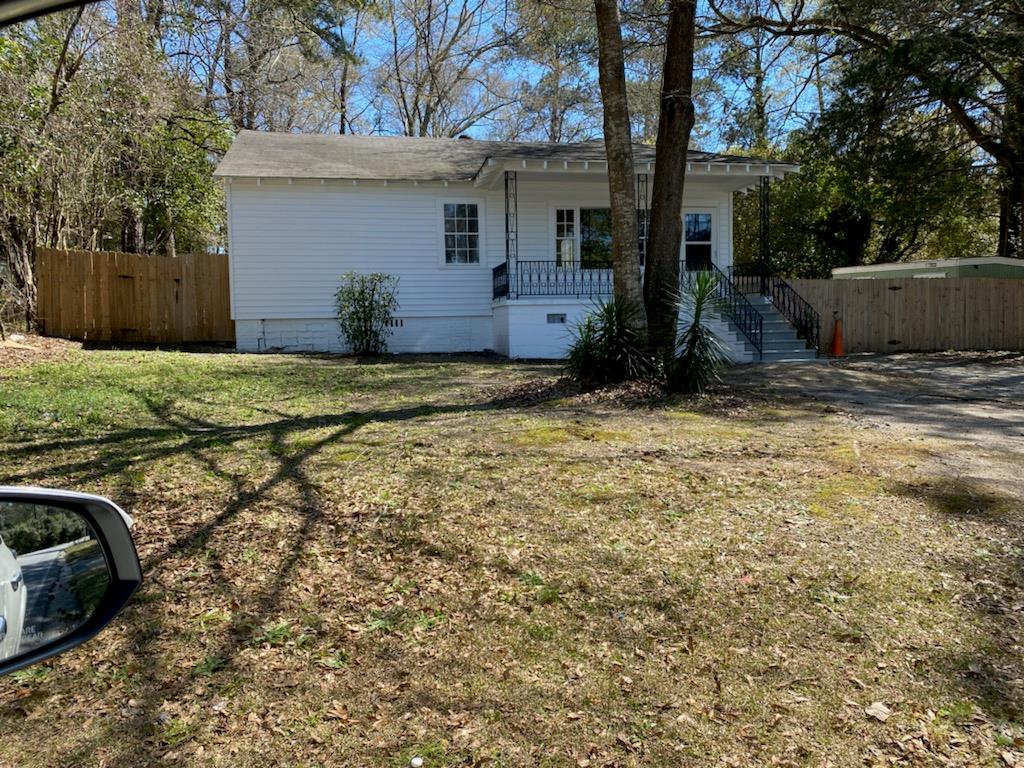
765	252
643	213
512	232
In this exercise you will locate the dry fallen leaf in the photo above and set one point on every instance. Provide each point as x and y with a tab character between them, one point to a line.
879	711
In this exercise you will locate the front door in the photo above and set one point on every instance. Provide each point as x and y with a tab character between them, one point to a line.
698	237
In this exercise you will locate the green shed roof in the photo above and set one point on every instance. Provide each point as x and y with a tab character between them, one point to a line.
983	266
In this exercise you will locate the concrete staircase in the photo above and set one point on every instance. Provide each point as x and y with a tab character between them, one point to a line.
780	341
778	344
739	347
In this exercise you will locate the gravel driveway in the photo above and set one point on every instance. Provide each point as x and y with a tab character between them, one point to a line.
969	404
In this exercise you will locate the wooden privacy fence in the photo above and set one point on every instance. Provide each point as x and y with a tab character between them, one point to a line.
125	297
920	315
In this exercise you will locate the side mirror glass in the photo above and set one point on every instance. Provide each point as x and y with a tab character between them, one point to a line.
67	566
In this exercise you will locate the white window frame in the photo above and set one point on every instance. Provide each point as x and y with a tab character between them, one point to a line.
481	213
554	208
715	213
575	206
575	233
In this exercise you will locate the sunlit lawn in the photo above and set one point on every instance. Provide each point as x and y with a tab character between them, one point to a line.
354	564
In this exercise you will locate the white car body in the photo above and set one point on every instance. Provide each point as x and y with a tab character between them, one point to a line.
13	598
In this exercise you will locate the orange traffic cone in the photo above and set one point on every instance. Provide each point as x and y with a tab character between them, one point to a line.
836	350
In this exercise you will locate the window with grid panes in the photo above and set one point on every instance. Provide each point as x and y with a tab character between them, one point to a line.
461	233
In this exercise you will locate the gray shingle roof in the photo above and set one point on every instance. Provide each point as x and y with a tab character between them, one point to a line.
327	156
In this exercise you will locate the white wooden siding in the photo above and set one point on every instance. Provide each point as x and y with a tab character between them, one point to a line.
291	242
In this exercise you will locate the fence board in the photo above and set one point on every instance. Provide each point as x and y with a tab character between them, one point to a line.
127	298
918	315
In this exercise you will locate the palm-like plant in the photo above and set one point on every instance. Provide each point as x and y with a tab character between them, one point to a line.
606	349
700	355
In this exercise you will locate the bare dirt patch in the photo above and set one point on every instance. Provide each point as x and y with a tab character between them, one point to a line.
19	350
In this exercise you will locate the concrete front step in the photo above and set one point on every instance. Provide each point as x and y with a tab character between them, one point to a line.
789	353
811	357
779	342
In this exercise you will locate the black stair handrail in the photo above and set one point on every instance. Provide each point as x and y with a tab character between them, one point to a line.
734	304
499	280
791	305
797	310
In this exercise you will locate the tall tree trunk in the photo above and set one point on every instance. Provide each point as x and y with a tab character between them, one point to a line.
618	144
675	124
1011	211
170	244
554	105
819	80
132	239
759	98
133	235
1011	168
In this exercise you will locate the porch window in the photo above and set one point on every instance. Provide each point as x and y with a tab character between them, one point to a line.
698	240
565	236
461	233
595	237
592	240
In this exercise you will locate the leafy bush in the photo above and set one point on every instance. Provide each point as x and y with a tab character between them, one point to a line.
606	350
365	305
699	353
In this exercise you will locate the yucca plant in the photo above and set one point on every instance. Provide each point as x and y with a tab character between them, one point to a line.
700	355
606	349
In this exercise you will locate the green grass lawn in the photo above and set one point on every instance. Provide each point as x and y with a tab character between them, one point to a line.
354	564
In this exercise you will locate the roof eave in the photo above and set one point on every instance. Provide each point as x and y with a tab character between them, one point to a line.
492	167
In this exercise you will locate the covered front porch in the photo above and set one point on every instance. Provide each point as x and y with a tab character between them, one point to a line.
551	299
557	227
557	247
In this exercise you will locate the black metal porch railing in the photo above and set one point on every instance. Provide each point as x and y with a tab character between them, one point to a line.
499	278
549	278
754	278
749	279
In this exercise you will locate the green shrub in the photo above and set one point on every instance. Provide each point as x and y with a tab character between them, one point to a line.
606	349
699	353
365	305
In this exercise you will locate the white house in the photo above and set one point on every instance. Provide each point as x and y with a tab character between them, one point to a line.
497	246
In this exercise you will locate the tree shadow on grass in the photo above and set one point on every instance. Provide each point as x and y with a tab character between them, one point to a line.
138	739
961	499
991	673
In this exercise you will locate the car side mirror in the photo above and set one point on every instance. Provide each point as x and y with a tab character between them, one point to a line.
67	567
